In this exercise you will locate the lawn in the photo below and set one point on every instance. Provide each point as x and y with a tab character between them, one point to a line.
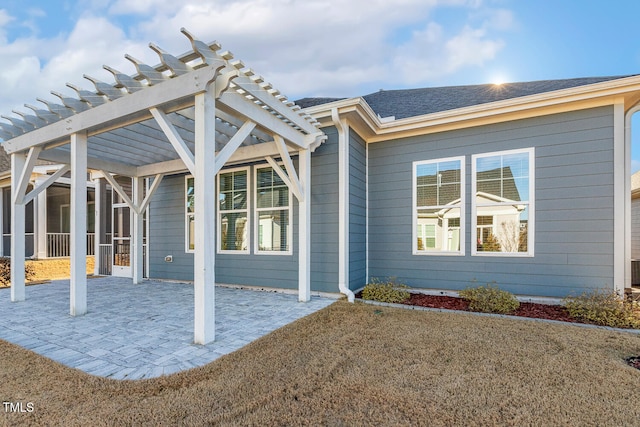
354	365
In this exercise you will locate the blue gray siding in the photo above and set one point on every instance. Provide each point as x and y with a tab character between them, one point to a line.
573	206
167	231
357	212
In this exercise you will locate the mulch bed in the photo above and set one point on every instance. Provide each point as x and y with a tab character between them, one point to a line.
527	309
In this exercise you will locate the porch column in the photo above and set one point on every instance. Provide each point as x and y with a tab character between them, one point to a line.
78	208
40	226
205	217
137	230
99	227
18	163
304	231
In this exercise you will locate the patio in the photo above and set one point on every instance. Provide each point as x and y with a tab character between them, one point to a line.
144	330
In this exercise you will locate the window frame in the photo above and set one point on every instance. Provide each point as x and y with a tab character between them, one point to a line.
256	216
530	151
415	207
188	214
219	213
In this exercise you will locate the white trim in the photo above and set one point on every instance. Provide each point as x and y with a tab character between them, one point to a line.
530	204
256	216
187	214
18	161
78	226
620	201
461	205
219	212
627	191
304	227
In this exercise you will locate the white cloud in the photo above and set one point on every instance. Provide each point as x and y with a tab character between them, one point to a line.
305	48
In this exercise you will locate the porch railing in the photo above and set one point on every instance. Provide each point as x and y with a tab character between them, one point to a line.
104	258
59	244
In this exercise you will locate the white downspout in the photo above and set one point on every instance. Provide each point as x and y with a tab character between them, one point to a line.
343	205
627	191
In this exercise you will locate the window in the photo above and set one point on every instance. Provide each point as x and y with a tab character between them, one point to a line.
189	211
438	206
502	206
233	223
273	216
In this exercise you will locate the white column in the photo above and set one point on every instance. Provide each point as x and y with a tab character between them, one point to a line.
304	227
99	227
78	286
18	162
205	218
137	230
40	223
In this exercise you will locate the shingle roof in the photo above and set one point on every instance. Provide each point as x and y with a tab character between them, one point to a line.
402	103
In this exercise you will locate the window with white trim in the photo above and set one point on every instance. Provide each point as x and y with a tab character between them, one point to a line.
502	204
272	212
233	213
189	215
438	206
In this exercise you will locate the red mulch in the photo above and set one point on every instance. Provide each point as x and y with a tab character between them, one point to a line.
527	309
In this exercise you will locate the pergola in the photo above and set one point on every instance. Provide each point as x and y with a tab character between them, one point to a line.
196	113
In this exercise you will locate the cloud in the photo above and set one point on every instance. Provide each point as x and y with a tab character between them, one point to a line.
304	48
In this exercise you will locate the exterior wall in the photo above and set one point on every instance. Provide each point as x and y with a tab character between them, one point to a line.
573	206
357	212
167	234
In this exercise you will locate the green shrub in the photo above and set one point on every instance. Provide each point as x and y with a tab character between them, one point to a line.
488	299
604	308
386	291
5	272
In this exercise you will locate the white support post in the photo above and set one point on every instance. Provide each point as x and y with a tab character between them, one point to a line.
205	218
18	163
78	286
304	232
137	231
40	226
100	190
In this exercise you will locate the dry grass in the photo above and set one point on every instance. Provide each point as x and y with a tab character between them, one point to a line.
359	364
55	268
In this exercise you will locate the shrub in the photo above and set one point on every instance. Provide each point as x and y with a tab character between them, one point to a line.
386	291
488	299
5	272
604	308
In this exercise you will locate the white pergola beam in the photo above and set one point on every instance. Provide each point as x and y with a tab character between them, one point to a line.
58	156
18	162
288	165
118	189
154	186
204	218
174	137
45	184
78	284
231	147
123	109
25	175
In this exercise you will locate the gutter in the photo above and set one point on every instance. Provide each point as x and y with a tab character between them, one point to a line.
343	217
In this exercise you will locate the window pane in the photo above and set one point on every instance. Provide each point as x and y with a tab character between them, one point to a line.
190	199
438	229
273	230
234	231
190	232
506	231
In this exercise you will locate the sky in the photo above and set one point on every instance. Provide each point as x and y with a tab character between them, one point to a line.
335	48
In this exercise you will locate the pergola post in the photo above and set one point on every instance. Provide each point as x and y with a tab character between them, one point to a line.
18	163
99	227
137	230
304	232
40	222
205	218
78	285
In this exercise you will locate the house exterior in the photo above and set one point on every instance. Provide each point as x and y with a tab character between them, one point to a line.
217	178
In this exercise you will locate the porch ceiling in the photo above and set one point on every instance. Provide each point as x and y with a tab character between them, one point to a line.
124	131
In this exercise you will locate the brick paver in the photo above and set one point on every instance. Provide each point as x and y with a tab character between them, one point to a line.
140	331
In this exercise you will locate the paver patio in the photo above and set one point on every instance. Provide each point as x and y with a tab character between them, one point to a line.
141	331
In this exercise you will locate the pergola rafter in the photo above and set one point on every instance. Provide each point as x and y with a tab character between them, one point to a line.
195	112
